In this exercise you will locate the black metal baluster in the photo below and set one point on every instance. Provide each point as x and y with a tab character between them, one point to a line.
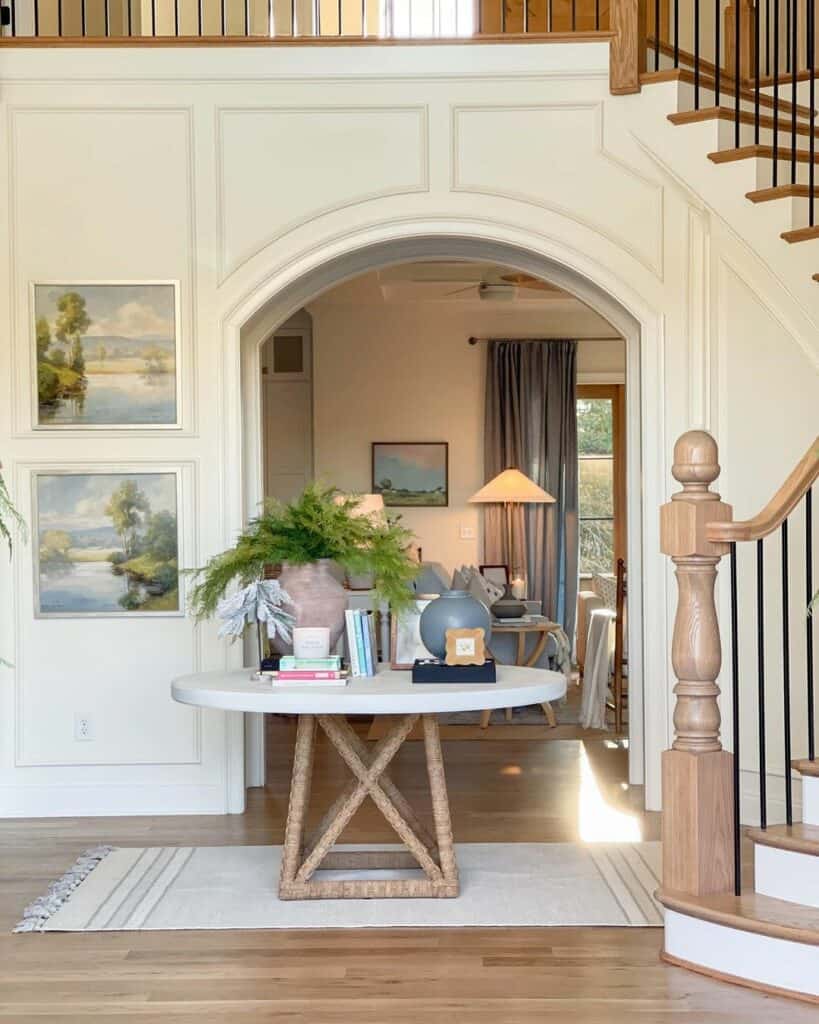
737	73
786	675
735	718
809	637
176	18
756	73
596	15
760	667
36	17
59	17
108	19
292	17
503	15
794	50
525	15
82	18
696	54
200	18
549	19
12	18
767	37
340	4
130	23
717	49
676	33
775	179
574	15
364	19
153	18
317	16
656	35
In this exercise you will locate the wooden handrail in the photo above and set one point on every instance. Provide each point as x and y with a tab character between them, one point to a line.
778	508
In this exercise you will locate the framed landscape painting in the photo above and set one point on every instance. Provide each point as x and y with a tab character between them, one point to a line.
411	473
106	543
106	355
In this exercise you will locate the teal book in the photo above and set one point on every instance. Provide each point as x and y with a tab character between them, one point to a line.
290	663
359	639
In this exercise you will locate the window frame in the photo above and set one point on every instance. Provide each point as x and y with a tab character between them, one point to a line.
616	393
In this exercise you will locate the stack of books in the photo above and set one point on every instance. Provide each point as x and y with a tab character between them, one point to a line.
310	671
361	643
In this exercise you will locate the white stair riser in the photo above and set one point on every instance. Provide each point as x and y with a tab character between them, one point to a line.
761	959
787	875
810	799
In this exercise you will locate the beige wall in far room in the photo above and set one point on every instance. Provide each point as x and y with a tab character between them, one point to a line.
405	372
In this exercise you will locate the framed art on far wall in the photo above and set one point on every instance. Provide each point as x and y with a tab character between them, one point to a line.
411	474
106	355
106	543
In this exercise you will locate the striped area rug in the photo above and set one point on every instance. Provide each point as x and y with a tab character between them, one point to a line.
502	885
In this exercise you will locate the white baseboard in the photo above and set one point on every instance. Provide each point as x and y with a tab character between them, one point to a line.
116	800
775	791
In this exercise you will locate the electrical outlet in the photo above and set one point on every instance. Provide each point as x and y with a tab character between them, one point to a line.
83	727
467	532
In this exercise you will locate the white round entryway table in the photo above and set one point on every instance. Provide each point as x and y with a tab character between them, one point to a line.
389	693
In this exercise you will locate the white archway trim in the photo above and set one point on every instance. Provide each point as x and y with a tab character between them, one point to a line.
321	266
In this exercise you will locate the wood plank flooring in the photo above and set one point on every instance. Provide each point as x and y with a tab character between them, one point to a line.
520	790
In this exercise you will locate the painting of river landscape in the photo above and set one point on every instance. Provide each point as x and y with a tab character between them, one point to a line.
106	355
107	543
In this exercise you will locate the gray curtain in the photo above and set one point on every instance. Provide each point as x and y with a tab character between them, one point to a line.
531	425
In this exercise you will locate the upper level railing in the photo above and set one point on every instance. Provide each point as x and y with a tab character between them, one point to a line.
302	19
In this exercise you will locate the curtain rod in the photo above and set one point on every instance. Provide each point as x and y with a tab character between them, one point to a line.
611	337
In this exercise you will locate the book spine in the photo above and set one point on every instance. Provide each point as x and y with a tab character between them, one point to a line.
352	646
359	639
373	642
310	664
368	654
307	674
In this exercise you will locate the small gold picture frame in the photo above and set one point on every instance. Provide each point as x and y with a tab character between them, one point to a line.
465	647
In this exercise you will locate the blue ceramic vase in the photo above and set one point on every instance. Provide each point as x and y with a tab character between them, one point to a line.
455	609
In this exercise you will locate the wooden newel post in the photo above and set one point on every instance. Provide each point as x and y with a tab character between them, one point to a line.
627	60
697	772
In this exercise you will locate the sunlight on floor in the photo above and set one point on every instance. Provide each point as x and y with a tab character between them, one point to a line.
597	821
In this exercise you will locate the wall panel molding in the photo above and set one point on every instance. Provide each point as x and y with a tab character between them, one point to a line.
313	210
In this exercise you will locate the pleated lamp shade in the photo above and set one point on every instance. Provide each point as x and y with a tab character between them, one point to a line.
511	486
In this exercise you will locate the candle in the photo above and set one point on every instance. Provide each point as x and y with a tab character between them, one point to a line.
518	587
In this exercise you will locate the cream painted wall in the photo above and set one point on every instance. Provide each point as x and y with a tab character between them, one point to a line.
240	173
399	371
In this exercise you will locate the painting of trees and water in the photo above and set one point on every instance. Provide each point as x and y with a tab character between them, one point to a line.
106	354
107	543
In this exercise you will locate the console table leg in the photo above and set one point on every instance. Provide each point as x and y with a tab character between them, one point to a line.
300	784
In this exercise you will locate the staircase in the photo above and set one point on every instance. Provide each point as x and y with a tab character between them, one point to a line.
757	109
765	936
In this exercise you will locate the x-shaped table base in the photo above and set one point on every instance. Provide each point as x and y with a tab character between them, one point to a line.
302	857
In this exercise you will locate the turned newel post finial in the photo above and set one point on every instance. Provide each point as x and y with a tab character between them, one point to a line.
696	654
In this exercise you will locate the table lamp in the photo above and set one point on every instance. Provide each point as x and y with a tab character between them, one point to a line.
511	488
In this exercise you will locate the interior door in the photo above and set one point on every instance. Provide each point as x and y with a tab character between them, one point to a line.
287	397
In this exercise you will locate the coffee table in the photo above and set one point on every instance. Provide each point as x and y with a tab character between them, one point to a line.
326	707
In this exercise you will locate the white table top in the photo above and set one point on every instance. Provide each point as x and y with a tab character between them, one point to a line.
388	693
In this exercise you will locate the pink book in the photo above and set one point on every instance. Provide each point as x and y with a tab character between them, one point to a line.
308	674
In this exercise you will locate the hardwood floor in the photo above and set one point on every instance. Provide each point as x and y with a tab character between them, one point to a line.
525	791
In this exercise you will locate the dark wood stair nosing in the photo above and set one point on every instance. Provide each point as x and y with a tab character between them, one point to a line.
796	235
766	195
760	152
747	117
803	764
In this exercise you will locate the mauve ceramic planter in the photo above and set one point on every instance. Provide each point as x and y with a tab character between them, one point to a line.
318	599
455	609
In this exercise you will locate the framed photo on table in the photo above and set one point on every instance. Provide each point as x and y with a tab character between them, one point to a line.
496	574
405	636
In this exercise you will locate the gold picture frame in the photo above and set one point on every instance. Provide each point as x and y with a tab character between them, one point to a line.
465	646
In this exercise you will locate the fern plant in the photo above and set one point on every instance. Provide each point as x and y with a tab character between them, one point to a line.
320	524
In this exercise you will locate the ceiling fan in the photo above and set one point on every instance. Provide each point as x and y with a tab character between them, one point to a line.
506	288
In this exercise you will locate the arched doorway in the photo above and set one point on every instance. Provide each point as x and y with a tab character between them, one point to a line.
267	308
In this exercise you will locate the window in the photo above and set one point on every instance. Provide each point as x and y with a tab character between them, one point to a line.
600	476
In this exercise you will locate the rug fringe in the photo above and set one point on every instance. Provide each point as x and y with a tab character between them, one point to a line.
40	910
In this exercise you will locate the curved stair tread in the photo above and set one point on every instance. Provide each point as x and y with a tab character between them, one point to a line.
804	766
800	234
798	838
750	912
